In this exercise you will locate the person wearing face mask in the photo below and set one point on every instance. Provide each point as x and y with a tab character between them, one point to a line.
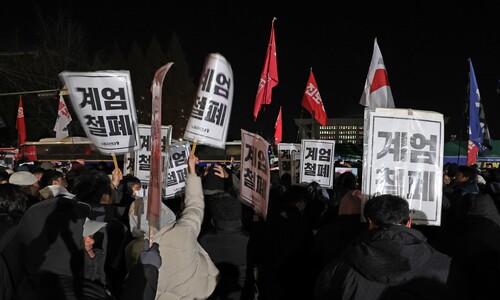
137	221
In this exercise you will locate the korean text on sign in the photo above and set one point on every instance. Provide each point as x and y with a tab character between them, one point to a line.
317	162
405	154
254	173
143	155
209	119
105	107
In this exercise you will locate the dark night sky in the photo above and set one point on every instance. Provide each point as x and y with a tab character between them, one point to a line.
425	46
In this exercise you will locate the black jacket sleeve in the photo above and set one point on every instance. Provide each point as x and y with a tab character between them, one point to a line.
141	283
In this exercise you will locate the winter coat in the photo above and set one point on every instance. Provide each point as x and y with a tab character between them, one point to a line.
227	246
392	263
471	236
279	250
187	272
47	251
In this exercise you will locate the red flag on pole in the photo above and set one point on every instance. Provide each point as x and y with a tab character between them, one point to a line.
312	102
278	133
155	170
269	76
20	126
28	151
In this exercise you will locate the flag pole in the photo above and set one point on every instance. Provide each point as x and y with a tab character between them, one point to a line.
313	125
115	162
298	131
194	148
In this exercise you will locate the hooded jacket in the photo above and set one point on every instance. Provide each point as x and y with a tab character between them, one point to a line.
390	263
187	272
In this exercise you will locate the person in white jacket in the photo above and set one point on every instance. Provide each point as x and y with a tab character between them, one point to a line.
187	272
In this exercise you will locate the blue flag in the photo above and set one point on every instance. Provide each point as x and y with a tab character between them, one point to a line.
478	129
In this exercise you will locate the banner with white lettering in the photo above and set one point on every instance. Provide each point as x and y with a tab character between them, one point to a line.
178	154
254	172
403	156
209	120
143	155
104	103
285	151
317	162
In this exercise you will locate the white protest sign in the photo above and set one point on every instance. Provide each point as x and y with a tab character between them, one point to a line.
404	157
317	162
254	172
178	154
209	119
143	155
104	103
285	152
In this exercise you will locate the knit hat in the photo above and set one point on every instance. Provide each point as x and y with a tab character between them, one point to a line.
23	178
226	208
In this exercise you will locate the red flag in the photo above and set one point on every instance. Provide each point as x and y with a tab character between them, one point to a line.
28	151
269	76
20	126
472	151
312	101
155	170
278	133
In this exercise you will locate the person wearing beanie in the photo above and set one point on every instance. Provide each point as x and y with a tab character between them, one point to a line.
226	244
217	181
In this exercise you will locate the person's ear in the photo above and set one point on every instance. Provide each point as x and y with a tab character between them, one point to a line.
408	223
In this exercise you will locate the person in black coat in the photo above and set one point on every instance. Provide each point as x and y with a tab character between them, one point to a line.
390	261
226	244
13	204
332	239
279	249
471	236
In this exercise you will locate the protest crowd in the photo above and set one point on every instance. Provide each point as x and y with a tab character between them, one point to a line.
72	233
388	228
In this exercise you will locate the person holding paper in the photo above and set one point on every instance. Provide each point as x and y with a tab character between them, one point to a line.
187	271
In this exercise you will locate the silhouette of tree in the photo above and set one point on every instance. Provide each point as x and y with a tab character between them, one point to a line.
59	45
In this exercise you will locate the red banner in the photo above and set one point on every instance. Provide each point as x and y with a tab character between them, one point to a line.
20	125
269	76
312	101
